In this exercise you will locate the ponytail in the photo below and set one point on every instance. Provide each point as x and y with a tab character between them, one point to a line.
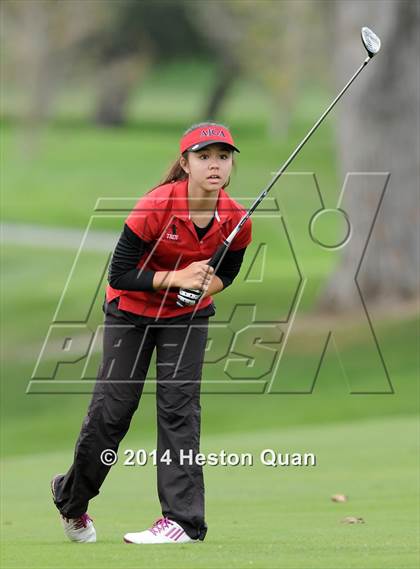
175	172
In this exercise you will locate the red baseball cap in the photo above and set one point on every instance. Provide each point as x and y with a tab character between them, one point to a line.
204	135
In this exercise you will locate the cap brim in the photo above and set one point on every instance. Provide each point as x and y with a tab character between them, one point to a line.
200	145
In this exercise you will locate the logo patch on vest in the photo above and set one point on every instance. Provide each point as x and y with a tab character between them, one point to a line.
172	236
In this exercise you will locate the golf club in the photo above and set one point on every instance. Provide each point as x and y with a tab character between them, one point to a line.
372	45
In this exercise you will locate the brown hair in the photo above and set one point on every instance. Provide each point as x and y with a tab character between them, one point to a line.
176	172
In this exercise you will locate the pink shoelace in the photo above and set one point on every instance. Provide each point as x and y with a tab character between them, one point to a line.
160	525
81	522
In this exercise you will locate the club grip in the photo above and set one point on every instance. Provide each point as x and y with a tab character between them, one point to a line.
214	261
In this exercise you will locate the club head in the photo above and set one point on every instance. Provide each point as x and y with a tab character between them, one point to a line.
371	41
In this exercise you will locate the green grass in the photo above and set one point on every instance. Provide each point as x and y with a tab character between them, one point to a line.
257	516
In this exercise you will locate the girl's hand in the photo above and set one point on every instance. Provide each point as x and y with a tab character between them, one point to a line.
196	276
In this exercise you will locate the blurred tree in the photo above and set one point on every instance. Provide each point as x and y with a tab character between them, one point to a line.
378	131
277	44
141	33
41	39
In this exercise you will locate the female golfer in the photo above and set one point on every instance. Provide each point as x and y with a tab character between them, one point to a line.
160	296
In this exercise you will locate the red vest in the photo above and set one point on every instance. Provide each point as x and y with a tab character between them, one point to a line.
161	218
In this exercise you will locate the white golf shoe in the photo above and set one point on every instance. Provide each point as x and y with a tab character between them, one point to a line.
79	529
163	530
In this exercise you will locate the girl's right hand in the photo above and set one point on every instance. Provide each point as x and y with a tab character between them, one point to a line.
196	276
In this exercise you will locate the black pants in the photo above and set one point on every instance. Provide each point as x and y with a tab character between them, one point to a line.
129	342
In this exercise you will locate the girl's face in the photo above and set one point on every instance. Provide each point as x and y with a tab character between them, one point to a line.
210	167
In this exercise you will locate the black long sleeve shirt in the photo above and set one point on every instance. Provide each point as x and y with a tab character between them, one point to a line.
124	275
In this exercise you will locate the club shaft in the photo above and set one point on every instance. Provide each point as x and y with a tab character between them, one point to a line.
263	194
